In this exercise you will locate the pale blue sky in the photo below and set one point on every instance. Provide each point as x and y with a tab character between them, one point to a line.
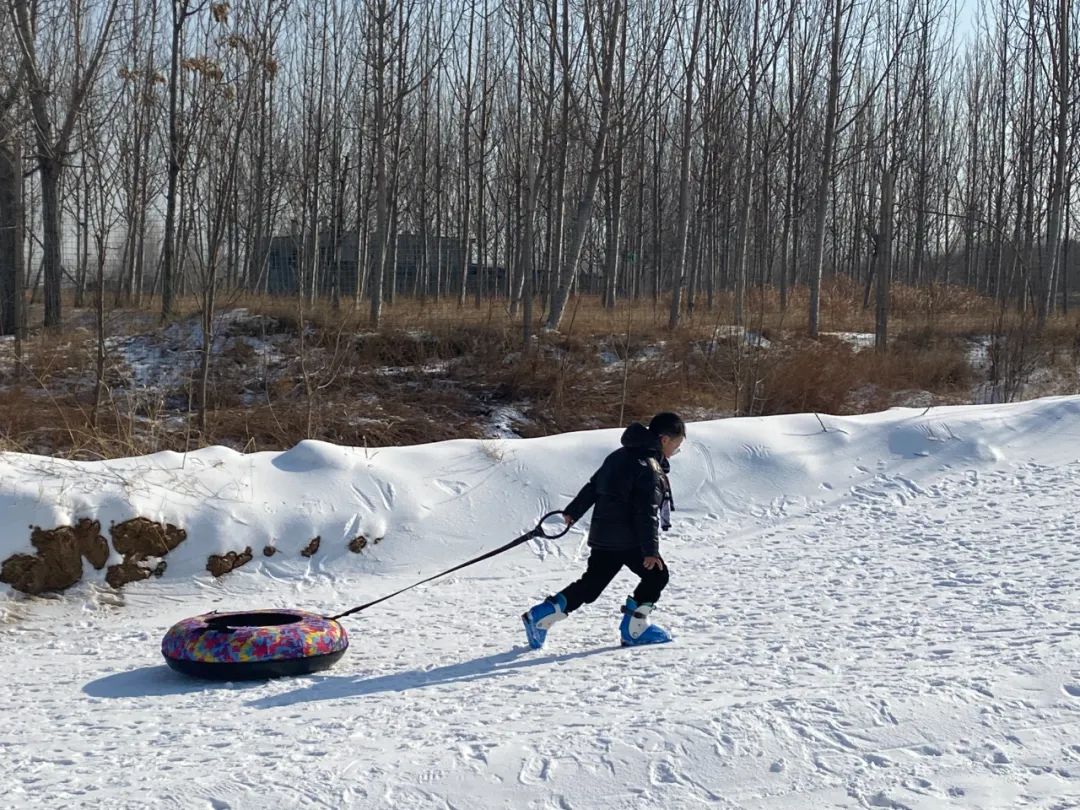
965	18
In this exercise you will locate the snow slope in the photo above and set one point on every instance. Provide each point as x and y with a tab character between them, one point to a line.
870	611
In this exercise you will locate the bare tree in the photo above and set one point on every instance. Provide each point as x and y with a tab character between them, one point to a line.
603	22
265	181
178	142
1058	25
685	152
883	258
141	82
101	160
534	144
55	114
839	20
225	85
388	48
584	145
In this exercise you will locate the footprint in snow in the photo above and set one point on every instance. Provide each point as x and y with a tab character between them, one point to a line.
663	773
451	487
881	800
1072	689
878	761
929	751
535	770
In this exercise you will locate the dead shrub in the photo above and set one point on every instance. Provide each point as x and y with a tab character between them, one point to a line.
805	376
934	301
822	377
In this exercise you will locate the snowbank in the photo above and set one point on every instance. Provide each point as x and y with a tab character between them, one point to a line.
443	502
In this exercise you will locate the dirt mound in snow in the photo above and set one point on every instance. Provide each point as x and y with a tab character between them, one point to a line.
221	564
142	542
57	565
358	544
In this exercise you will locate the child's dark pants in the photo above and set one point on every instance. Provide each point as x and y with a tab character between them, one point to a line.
603	566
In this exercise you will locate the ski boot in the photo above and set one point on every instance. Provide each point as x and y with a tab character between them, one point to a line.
539	618
635	628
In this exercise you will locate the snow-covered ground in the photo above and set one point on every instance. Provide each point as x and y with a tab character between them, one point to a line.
869	611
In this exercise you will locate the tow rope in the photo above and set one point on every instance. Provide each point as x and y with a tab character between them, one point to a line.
538	531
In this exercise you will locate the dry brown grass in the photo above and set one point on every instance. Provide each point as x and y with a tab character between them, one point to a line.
435	371
35	420
831	377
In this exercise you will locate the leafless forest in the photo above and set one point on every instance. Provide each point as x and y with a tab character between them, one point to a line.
701	156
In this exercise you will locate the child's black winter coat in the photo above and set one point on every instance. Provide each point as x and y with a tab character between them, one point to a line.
627	492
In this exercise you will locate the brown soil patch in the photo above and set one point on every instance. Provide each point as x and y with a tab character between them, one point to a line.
311	547
131	571
357	544
139	539
57	565
221	564
269	551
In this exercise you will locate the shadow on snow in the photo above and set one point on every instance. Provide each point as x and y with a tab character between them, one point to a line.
154	681
491	666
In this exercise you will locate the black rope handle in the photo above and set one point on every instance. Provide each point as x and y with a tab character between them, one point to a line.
538	531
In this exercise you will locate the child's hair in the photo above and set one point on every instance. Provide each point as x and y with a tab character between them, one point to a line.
668	423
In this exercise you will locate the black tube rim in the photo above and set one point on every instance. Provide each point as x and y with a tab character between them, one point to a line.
254	670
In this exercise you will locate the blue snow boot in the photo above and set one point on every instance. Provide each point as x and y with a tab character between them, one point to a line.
635	628
539	618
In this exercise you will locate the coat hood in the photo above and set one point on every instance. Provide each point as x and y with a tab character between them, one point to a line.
638	437
642	442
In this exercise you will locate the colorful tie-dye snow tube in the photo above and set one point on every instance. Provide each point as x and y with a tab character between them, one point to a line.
254	645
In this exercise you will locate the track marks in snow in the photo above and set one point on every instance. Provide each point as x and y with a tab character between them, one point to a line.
935	609
363	497
912	644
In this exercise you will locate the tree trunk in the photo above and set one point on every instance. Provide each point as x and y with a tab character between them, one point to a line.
883	260
49	171
614	232
1049	261
168	282
556	206
746	194
100	241
684	169
526	252
12	232
789	188
821	200
82	216
382	193
465	252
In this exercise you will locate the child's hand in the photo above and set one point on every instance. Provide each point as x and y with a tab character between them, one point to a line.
653	562
569	521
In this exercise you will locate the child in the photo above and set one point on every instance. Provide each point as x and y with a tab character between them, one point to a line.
632	496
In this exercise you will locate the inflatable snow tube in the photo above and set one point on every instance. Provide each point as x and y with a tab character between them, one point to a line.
254	645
